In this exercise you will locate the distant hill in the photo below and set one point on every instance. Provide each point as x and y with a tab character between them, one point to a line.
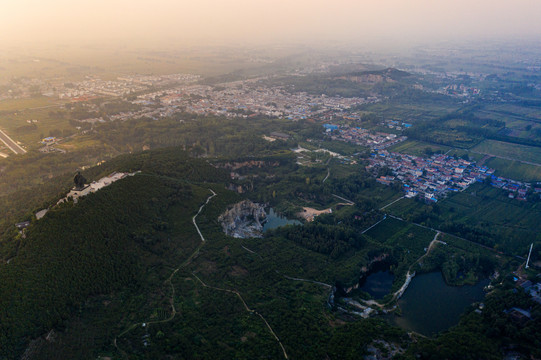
377	76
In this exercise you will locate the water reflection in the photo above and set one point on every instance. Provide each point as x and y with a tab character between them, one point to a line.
377	284
274	220
429	305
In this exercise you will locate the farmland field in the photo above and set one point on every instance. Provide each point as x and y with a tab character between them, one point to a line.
515	169
385	229
18	127
21	104
410	112
512	151
417	148
513	223
506	111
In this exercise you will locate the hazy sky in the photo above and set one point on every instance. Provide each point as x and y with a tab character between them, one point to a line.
261	21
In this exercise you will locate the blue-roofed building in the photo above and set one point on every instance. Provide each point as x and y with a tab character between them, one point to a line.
330	127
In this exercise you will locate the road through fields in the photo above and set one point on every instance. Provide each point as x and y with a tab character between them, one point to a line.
12	145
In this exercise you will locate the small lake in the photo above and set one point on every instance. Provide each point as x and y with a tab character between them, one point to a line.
377	284
429	305
274	220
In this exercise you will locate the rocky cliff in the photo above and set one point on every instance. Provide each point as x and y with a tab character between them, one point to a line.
243	220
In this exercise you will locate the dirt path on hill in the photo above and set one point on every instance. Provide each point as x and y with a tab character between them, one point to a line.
169	281
247	309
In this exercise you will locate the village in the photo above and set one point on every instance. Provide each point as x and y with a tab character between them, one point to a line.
249	98
363	137
432	178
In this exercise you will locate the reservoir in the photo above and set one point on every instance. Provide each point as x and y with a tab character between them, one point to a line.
377	284
274	220
429	305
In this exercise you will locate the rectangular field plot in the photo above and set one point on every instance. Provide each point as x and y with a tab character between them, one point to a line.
401	234
511	151
418	148
515	169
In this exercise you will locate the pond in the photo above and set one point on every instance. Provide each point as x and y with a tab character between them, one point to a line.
377	284
429	305
274	220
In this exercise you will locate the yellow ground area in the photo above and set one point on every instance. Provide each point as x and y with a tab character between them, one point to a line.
310	213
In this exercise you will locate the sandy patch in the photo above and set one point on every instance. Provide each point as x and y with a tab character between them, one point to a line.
309	213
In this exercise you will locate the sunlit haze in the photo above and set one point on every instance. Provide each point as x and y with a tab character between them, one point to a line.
234	22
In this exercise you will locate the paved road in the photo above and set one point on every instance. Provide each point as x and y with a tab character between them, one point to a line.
384	217
346	200
400	198
12	145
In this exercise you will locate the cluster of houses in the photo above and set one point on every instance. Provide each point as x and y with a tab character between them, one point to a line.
517	189
534	290
431	177
249	98
398	125
362	137
434	177
93	86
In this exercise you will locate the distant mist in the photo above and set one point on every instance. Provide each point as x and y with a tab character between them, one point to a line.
172	23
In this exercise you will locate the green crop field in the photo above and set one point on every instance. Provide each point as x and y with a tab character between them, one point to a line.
417	148
508	150
499	210
399	233
42	123
515	170
410	112
385	229
402	207
506	111
484	210
22	104
461	152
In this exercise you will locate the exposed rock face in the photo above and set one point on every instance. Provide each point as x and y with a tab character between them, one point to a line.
243	220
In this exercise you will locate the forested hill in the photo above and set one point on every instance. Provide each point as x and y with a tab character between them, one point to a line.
388	73
96	246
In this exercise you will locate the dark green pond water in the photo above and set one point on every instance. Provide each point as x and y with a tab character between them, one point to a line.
377	284
274	220
429	305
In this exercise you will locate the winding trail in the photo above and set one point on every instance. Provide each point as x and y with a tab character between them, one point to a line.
328	173
201	208
169	281
430	247
247	309
251	251
306	280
